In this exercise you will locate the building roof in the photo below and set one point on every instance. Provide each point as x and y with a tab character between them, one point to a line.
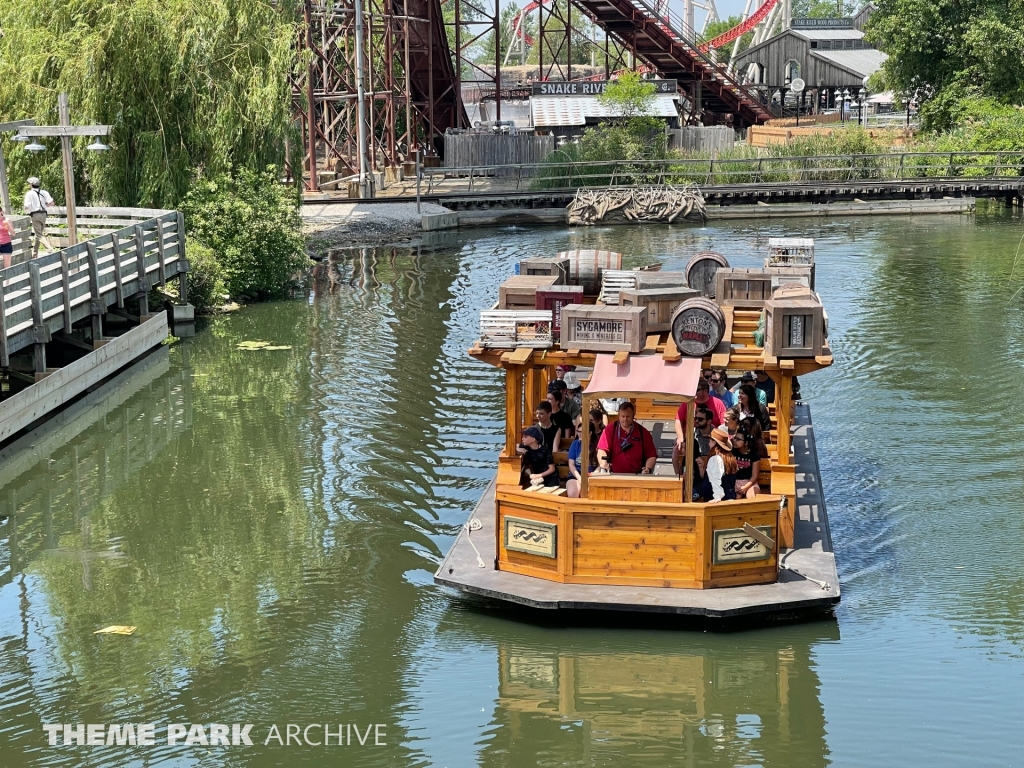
862	62
829	34
555	111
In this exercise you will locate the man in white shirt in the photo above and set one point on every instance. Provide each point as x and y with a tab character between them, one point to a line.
37	200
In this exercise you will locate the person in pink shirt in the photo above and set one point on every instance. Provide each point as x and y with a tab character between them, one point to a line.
703	397
6	234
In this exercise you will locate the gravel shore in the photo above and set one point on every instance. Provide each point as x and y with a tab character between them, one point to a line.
330	225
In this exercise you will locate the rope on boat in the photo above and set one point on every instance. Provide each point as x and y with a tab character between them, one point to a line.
470	526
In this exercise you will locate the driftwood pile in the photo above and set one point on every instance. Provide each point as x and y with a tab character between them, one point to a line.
635	204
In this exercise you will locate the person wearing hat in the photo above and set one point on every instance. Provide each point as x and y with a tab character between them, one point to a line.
37	200
719	469
766	384
538	466
574	388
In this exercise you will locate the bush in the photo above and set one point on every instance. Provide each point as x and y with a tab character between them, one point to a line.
251	224
206	289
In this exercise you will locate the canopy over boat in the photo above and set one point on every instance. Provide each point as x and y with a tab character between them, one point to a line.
645	375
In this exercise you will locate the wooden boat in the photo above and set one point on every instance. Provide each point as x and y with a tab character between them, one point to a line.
639	542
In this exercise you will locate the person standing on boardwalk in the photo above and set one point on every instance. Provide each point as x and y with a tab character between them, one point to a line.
6	235
37	200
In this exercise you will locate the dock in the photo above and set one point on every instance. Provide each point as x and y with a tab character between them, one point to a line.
803	569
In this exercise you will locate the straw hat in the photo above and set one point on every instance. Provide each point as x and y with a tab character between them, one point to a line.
721	437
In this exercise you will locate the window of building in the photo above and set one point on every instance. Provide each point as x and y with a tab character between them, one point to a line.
792	69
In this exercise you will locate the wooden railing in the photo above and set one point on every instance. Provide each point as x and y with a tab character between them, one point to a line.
886	167
130	250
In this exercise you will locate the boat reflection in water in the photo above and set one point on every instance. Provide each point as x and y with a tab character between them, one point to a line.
755	702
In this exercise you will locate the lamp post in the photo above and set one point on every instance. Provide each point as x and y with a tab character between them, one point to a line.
846	100
838	99
862	102
65	131
5	190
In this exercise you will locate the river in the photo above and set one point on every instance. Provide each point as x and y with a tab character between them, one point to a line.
270	521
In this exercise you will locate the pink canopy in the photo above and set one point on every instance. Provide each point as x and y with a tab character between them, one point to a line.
645	375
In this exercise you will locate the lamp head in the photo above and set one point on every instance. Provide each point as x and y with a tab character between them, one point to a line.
35	146
97	146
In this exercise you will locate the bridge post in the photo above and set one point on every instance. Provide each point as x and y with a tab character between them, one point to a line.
97	307
40	332
140	262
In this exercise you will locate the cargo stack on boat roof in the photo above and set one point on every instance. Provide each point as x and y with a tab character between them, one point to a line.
578	544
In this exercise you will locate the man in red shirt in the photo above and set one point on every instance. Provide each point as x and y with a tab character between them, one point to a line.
703	397
626	447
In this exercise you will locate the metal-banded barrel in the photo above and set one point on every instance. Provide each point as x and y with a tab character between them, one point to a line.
701	270
698	326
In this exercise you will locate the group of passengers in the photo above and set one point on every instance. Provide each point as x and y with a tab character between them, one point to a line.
728	442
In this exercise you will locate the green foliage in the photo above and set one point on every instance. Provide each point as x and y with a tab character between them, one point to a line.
206	288
716	28
186	86
824	9
953	49
251	222
629	95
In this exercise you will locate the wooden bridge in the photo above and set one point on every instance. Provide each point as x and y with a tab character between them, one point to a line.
74	317
737	181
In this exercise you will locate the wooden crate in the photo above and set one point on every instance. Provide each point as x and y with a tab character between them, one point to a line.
615	280
790	250
586	266
554	298
519	292
646	280
795	273
794	323
661	303
551	267
604	328
746	288
511	329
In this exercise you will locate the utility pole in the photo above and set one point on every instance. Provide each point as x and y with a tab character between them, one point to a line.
365	183
65	131
5	189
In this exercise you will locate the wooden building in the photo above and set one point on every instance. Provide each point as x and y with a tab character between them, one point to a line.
825	53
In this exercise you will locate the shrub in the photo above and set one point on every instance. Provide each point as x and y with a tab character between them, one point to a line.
251	224
206	289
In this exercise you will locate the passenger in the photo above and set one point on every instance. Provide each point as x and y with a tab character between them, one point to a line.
6	238
720	469
719	390
732	420
766	384
574	389
751	406
751	379
565	403
538	467
747	462
626	447
572	486
752	427
560	371
550	431
560	417
701	437
703	398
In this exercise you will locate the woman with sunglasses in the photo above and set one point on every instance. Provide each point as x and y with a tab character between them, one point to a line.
732	420
747	462
751	406
573	484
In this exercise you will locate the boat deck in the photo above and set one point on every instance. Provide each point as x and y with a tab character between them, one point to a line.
811	560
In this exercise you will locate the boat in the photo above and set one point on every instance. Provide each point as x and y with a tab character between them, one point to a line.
641	542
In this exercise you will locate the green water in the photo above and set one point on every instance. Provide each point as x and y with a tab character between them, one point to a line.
270	522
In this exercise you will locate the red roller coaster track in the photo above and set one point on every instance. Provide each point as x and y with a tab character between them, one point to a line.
740	29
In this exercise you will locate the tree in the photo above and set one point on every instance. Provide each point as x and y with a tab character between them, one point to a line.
506	24
629	96
956	49
186	86
824	9
716	28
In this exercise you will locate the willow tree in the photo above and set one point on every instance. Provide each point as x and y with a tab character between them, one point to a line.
189	87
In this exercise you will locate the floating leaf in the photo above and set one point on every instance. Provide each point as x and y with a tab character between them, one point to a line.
116	629
270	349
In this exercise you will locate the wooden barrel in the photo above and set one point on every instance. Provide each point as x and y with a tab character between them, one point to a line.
701	270
697	326
586	267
